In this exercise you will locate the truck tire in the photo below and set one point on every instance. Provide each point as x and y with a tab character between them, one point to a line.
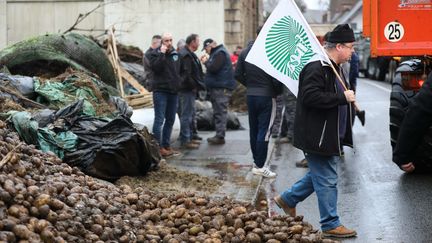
391	71
399	102
371	68
382	68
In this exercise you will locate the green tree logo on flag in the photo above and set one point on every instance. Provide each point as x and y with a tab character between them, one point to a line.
288	47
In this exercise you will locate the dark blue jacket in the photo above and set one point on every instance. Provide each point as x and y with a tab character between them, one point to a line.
219	70
166	70
258	82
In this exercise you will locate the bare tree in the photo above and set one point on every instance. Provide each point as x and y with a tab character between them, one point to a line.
81	16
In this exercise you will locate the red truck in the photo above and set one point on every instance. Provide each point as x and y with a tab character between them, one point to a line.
402	28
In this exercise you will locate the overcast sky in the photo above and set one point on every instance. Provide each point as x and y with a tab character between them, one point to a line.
315	4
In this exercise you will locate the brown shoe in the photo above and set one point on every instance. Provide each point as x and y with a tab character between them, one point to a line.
196	141
281	204
165	153
340	232
302	164
173	151
190	145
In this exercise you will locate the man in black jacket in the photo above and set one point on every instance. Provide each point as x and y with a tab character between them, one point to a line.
322	122
148	79
417	121
262	90
165	64
192	76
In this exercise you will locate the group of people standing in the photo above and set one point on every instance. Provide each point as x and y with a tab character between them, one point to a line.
324	111
175	77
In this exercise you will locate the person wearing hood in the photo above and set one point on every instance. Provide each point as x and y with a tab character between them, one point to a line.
220	83
261	90
165	64
323	122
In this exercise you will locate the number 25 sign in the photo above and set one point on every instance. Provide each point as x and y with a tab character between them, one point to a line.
394	31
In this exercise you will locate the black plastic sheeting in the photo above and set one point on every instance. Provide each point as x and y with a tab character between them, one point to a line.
107	149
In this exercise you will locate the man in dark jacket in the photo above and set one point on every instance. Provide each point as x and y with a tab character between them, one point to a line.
148	79
322	122
219	80
416	123
165	64
261	91
192	75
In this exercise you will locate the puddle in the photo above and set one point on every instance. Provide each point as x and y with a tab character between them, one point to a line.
238	182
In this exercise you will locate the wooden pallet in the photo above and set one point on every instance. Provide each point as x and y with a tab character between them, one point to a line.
144	98
139	100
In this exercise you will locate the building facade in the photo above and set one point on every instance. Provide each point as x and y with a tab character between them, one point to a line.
232	22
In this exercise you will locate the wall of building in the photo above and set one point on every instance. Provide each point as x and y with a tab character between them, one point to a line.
242	18
136	21
3	28
232	22
24	19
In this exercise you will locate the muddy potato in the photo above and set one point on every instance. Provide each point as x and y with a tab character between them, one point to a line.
273	241
253	238
296	229
281	236
22	231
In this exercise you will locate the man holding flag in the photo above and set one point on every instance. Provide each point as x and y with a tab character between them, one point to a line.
324	111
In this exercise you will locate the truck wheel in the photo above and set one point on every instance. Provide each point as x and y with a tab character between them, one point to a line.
382	68
391	71
371	68
399	101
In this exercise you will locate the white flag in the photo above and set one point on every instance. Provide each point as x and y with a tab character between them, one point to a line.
285	45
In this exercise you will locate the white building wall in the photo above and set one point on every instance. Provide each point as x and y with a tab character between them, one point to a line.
136	21
24	19
3	28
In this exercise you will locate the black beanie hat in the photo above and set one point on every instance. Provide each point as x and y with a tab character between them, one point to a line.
342	33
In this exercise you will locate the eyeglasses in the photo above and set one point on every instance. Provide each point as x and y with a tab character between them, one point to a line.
167	40
347	46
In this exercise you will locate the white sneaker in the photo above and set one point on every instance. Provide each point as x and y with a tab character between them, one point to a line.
264	171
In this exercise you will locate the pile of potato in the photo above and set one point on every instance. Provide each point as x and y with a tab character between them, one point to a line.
43	199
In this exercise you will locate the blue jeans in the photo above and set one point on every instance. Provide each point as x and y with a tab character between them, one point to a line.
262	110
165	107
321	178
187	110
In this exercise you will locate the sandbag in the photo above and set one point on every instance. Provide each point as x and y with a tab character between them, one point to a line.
23	84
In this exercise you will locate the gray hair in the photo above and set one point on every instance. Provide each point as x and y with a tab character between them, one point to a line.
330	45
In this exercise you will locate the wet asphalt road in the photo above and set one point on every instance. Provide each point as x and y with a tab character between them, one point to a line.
375	197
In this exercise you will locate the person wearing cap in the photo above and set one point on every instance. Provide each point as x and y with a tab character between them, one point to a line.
220	83
165	64
261	90
323	120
